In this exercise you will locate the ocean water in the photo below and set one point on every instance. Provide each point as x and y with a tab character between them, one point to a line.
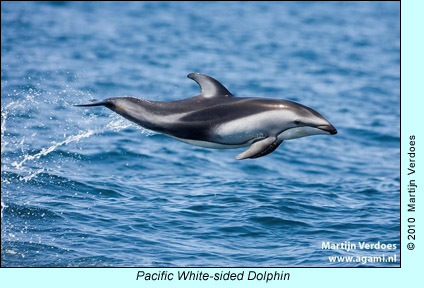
85	187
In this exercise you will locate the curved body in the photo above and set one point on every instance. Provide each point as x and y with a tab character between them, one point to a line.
217	119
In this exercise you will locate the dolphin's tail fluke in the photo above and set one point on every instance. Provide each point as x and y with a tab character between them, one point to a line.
106	103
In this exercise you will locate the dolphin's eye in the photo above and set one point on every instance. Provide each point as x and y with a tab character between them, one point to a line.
296	122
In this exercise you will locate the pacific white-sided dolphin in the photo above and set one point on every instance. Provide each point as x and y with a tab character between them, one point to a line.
217	119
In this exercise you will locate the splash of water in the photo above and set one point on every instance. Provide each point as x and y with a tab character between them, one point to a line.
3	125
45	151
3	206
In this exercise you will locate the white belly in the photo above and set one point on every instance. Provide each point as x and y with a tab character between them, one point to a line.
212	145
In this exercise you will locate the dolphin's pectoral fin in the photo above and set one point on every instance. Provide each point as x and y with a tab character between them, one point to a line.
260	148
271	148
209	87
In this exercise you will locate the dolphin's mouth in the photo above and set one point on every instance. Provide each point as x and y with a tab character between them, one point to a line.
328	128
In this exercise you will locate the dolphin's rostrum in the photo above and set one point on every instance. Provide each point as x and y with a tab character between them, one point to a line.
217	119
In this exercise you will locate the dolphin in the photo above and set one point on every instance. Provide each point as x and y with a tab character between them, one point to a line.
217	119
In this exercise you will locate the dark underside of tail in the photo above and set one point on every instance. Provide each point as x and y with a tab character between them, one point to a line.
97	103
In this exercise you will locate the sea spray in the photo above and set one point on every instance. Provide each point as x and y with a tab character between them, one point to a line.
45	151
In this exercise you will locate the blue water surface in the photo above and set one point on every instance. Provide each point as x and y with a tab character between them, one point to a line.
85	187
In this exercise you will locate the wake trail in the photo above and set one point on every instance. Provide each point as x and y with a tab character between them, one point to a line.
115	124
45	151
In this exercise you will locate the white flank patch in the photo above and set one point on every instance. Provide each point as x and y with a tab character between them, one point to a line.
269	121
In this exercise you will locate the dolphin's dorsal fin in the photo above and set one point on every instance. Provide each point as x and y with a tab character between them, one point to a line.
209	87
